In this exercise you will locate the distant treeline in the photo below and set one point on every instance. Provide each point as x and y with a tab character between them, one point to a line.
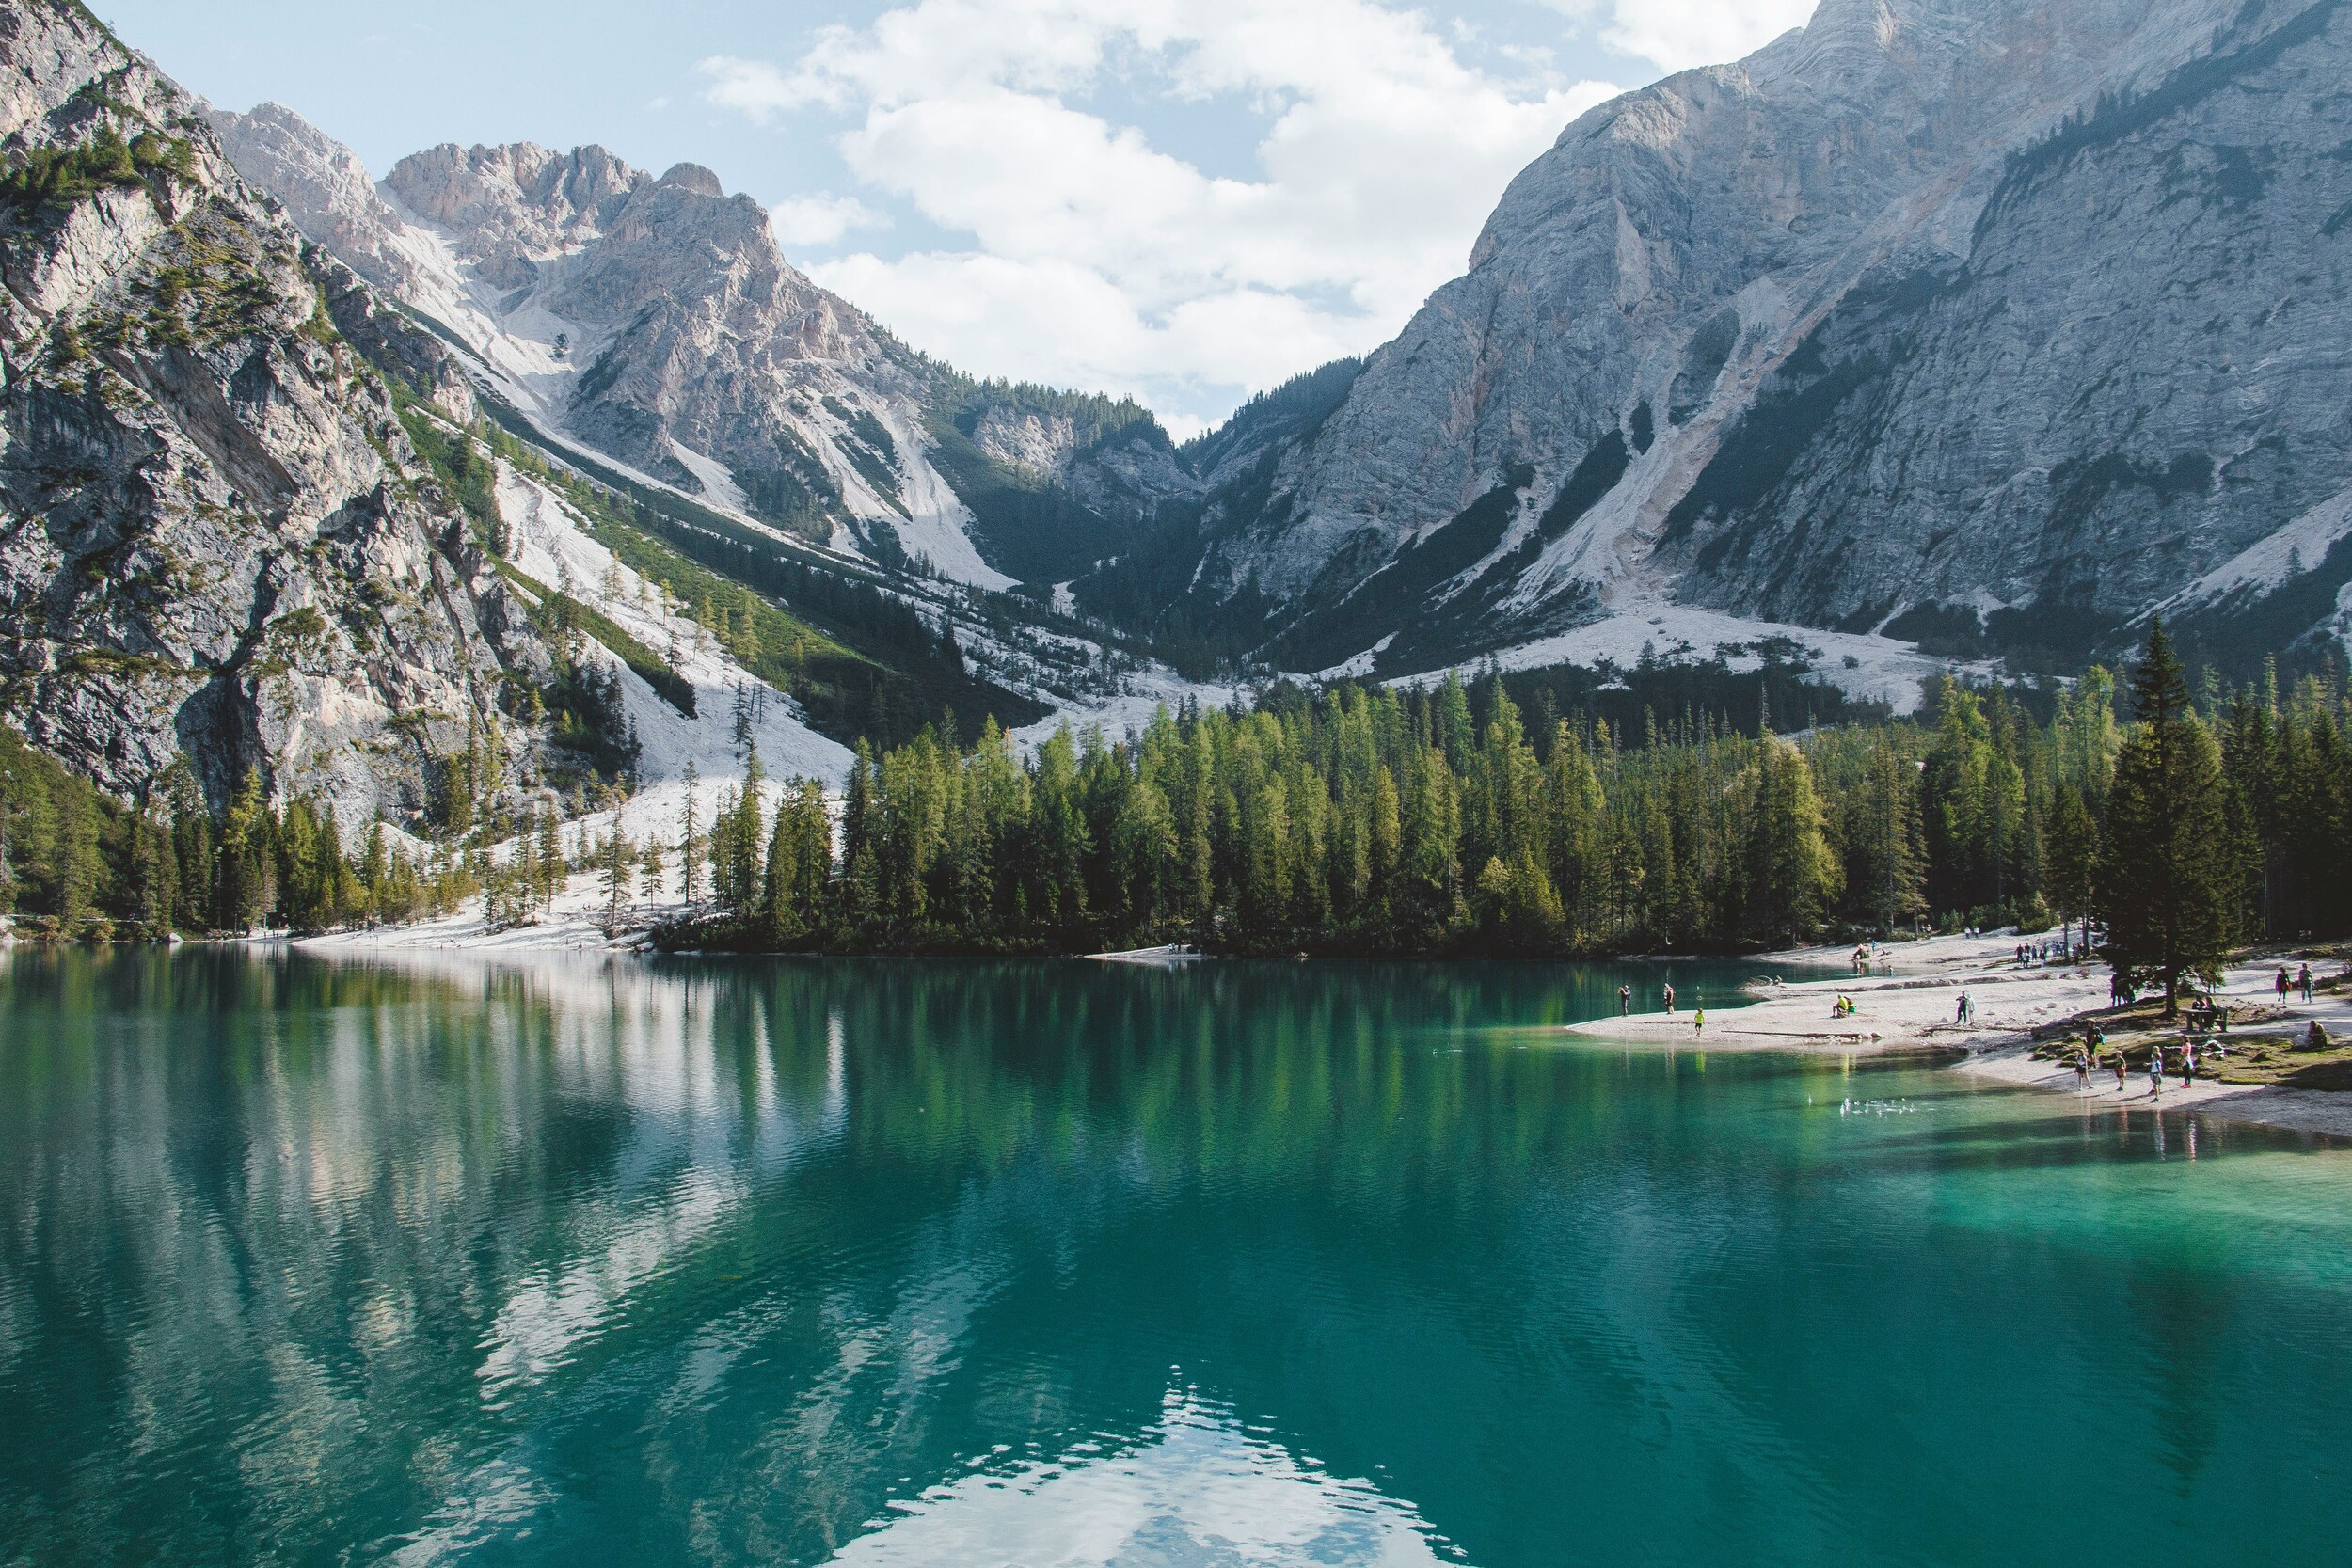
1361	819
1366	819
74	863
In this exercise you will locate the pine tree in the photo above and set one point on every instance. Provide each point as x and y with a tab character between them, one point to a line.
154	871
553	868
1428	901
615	862
1059	837
650	870
736	874
375	873
1577	811
246	875
8	888
2164	882
799	864
690	842
2073	863
192	851
1792	877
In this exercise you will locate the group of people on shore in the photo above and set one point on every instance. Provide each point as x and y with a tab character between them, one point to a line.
2093	1050
1666	997
2184	1057
2301	982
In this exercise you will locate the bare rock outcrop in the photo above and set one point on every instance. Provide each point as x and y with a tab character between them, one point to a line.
216	543
1994	324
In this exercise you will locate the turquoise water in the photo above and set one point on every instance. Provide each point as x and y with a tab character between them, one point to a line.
313	1262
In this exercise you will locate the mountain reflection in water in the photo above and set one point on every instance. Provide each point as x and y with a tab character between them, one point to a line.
783	1261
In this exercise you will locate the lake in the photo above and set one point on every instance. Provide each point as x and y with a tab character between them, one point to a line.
680	1261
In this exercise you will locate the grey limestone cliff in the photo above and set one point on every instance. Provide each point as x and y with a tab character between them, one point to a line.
1993	322
216	545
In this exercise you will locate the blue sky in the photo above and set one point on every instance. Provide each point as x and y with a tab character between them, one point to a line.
1182	200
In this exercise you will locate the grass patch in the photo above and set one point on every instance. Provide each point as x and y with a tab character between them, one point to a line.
469	478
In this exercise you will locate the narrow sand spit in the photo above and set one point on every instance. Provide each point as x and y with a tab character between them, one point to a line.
1910	1001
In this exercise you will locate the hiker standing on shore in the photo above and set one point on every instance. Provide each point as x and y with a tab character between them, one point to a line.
2155	1071
2121	1062
2082	1068
1670	998
1624	1001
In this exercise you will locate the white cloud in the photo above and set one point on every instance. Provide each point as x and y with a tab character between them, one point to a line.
754	88
1099	260
1066	325
821	220
1679	34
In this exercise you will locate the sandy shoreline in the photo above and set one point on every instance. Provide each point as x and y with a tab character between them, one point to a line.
2296	1110
1913	1007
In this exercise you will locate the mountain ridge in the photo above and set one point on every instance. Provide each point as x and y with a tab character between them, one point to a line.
1936	330
1763	303
656	320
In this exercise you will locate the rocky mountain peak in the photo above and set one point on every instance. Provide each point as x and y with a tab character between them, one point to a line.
323	184
692	177
515	205
1861	333
657	321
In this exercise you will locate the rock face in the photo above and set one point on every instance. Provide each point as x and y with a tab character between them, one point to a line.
1988	323
515	205
216	543
325	188
656	320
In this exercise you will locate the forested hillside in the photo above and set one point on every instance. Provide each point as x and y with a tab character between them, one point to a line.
1366	819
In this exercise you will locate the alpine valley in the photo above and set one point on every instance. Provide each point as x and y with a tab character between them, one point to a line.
1936	330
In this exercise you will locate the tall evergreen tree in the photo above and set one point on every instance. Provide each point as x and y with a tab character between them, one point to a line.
243	887
690	841
2164	873
615	862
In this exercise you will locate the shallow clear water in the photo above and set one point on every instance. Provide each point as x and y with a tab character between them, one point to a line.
308	1262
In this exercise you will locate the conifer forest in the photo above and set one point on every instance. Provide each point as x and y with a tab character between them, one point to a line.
1356	819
